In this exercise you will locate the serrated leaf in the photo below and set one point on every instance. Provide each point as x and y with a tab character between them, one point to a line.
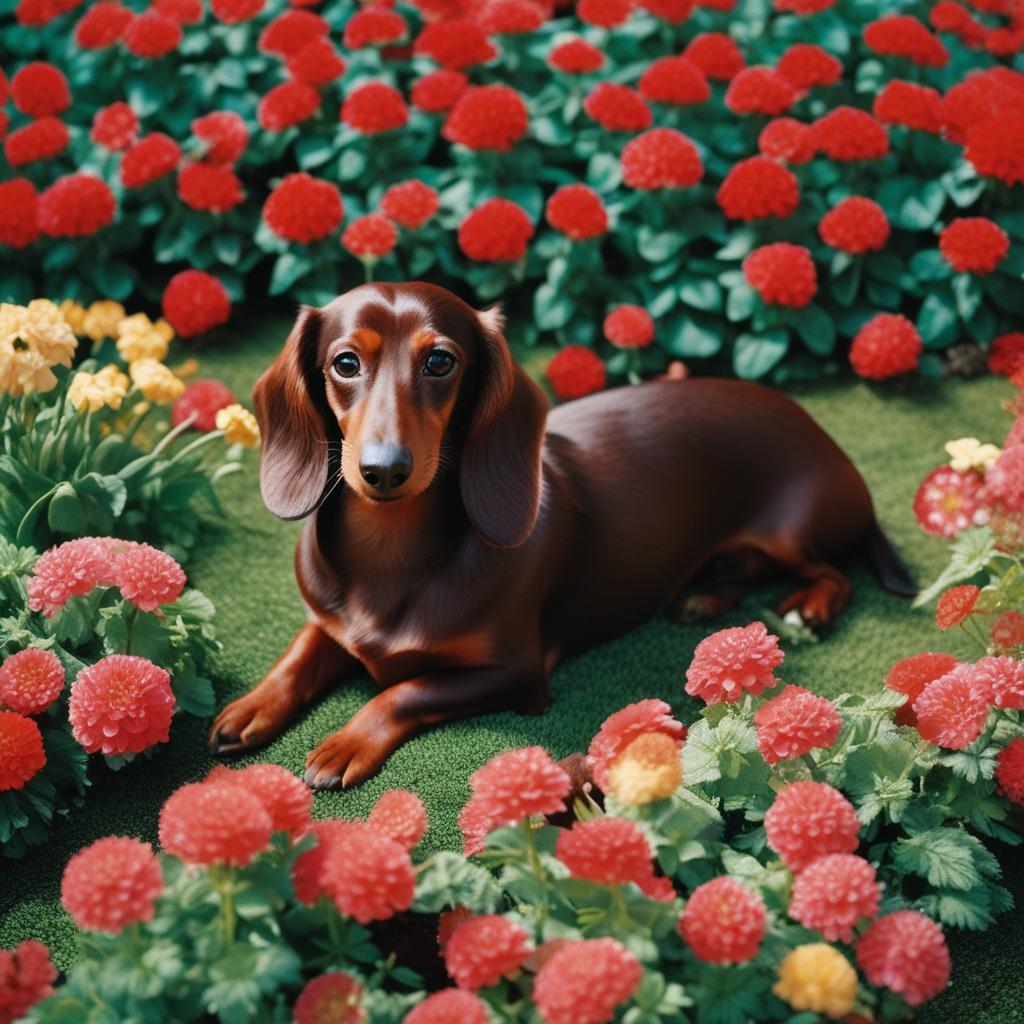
970	553
944	856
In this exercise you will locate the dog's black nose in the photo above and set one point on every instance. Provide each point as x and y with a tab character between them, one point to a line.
385	467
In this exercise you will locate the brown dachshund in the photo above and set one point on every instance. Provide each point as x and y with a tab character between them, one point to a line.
461	541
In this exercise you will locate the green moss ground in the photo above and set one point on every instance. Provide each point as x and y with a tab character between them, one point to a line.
894	435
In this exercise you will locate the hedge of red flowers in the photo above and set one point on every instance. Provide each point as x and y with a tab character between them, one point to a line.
776	184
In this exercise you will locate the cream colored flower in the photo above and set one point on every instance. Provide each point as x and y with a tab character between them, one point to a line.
95	391
969	453
164	329
11	320
46	330
239	426
648	769
102	318
24	370
139	338
156	381
74	313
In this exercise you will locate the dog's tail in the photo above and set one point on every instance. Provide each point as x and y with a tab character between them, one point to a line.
889	569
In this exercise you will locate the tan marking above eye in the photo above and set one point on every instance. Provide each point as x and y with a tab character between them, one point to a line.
367	338
422	340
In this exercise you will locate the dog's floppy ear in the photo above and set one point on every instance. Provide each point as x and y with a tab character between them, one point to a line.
292	410
500	474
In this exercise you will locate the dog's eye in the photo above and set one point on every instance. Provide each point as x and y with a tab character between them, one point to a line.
346	364
439	363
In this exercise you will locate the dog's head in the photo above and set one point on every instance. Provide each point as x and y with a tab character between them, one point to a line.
377	390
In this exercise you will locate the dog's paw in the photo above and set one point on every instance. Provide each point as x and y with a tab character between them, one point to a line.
356	751
245	724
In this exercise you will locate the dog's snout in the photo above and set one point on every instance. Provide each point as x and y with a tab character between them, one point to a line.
385	467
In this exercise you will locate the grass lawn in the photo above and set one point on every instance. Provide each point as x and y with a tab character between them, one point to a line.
894	434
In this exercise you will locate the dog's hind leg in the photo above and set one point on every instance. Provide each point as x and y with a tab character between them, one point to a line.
827	590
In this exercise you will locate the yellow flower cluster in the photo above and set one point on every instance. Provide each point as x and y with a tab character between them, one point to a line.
33	339
139	338
95	391
969	453
817	977
100	320
239	426
648	769
157	382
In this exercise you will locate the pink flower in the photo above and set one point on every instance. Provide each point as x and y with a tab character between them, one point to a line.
732	662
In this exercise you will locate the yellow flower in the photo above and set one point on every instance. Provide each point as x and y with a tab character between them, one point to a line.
11	320
969	453
156	381
164	329
95	391
46	330
817	977
24	370
648	769
189	368
102	318
239	426
139	338
74	313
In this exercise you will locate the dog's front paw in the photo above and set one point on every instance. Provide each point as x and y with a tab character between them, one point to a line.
247	723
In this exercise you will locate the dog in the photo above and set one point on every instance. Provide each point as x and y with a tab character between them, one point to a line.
460	540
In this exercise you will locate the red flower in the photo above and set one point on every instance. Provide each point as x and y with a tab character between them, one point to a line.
455	43
576	371
287	799
911	105
724	922
1003	678
102	25
214	823
204	398
400	815
194	302
76	205
286	105
487	117
847	133
584	980
911	675
886	346
27	977
758	187
620	729
370	237
38	140
661	158
855	225
732	662
955	605
807	65
577	211
115	126
68	570
952	710
225	135
231	12
782	274
147	576
612	851
1010	771
716	54
808	820
794	723
448	1006
629	327
303	209
410	204
212	187
21	750
899	35
787	139
113	883
368	875
949	501
617	108
309	871
40	90
1005	356
833	894
576	57
1004	481
511	17
674	80
31	680
148	159
19	219
980	97
1005	41
496	230
675	12
905	952
291	31
803	7
150	35
438	91
184	12
948	16
759	90
335	997
374	107
484	950
1008	631
973	244
121	705
604	13
317	63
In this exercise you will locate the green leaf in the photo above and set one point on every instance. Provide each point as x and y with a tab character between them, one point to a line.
937	321
944	856
970	553
930	265
604	172
968	294
753	356
552	307
701	293
447	880
288	268
685	337
816	328
657	246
